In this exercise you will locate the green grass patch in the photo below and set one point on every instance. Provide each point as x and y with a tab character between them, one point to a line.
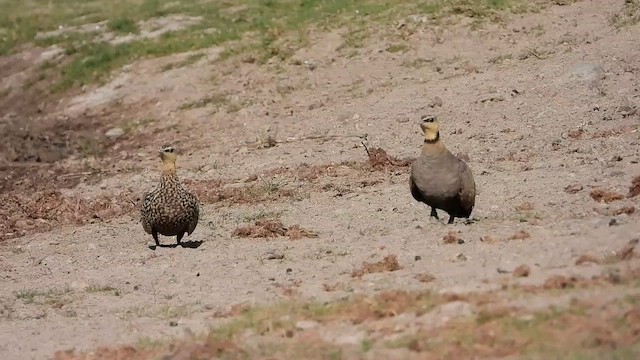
123	25
266	27
397	48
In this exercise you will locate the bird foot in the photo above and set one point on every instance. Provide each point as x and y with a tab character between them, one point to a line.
436	221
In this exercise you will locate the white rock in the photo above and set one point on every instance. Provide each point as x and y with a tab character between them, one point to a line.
114	133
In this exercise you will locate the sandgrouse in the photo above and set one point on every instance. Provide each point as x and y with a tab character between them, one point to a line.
169	210
440	179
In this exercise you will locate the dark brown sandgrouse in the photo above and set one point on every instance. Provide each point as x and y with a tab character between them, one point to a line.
169	210
440	179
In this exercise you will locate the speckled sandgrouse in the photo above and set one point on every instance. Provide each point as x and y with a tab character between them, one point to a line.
440	179
169	210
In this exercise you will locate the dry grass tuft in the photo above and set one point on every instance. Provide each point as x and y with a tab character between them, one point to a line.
213	191
522	271
625	210
389	263
295	232
634	189
211	348
42	211
614	132
379	159
387	304
526	206
451	238
605	196
560	282
124	352
269	228
519	235
424	277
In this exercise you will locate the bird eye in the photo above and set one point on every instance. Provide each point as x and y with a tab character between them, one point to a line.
427	119
170	150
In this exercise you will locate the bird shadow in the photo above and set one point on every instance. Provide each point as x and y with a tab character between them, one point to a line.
184	244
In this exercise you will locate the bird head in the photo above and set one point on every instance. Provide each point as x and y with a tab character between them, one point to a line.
168	155
430	127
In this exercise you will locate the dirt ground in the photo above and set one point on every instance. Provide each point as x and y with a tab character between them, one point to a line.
544	105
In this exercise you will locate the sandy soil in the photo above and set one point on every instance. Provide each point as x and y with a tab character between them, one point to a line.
543	105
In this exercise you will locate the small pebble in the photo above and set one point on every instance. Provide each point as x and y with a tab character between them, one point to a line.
274	255
114	133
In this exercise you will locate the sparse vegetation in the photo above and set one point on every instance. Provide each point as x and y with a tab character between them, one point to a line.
606	196
94	288
123	25
54	297
262	214
217	100
281	123
493	330
397	48
388	263
417	63
269	228
28	211
628	16
191	59
79	27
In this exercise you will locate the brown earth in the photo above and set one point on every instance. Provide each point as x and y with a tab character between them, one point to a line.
541	105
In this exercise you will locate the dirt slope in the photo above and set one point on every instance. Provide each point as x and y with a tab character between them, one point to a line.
543	105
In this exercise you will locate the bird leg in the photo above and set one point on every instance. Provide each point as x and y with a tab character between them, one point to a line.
451	218
434	213
180	238
154	233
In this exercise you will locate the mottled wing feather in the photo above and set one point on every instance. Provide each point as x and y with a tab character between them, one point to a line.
195	214
145	212
194	220
467	188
